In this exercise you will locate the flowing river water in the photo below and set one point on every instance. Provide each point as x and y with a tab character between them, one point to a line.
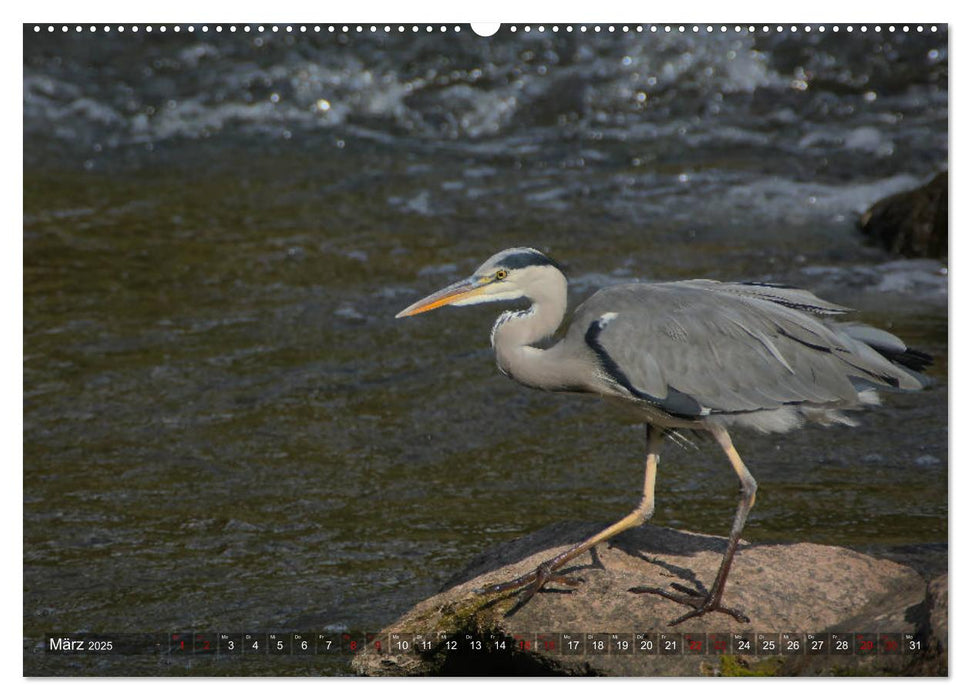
226	429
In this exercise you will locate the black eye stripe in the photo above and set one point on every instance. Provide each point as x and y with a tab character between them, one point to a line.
528	258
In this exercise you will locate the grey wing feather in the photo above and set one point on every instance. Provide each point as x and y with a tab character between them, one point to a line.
874	337
728	351
791	297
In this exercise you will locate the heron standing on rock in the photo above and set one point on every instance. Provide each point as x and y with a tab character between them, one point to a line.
696	355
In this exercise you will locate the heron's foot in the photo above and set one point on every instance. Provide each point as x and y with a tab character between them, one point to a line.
700	602
531	584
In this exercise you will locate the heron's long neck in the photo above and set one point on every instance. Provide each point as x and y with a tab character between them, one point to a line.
516	331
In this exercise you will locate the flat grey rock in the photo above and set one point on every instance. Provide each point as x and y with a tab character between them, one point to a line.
782	588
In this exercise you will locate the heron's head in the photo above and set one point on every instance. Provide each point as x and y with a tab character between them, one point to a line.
512	274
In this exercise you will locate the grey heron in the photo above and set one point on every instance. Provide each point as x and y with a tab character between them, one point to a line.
696	355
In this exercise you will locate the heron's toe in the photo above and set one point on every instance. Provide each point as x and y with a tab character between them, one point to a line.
531	584
700	602
571	581
695	592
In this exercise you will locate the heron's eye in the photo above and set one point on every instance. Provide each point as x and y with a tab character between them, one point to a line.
501	275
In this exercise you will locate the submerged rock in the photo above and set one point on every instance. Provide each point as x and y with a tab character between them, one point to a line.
912	223
785	589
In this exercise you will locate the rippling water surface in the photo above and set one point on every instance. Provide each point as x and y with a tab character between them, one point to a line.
226	429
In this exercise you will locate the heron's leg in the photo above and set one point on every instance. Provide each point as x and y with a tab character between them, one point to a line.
545	572
700	603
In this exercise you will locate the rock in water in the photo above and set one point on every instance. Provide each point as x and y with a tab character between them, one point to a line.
912	223
783	588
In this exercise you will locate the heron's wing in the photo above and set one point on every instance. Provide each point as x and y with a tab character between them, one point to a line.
790	297
693	350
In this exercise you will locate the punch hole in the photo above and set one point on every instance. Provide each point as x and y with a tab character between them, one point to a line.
485	29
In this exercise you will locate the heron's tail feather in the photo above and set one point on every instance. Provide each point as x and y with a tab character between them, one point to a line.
910	358
905	363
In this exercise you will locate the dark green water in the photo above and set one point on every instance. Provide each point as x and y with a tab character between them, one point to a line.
225	429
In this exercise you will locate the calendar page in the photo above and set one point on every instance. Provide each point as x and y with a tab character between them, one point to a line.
526	349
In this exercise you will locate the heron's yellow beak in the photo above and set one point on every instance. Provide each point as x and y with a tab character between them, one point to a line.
453	293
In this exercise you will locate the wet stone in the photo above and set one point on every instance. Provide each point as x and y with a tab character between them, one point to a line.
911	223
